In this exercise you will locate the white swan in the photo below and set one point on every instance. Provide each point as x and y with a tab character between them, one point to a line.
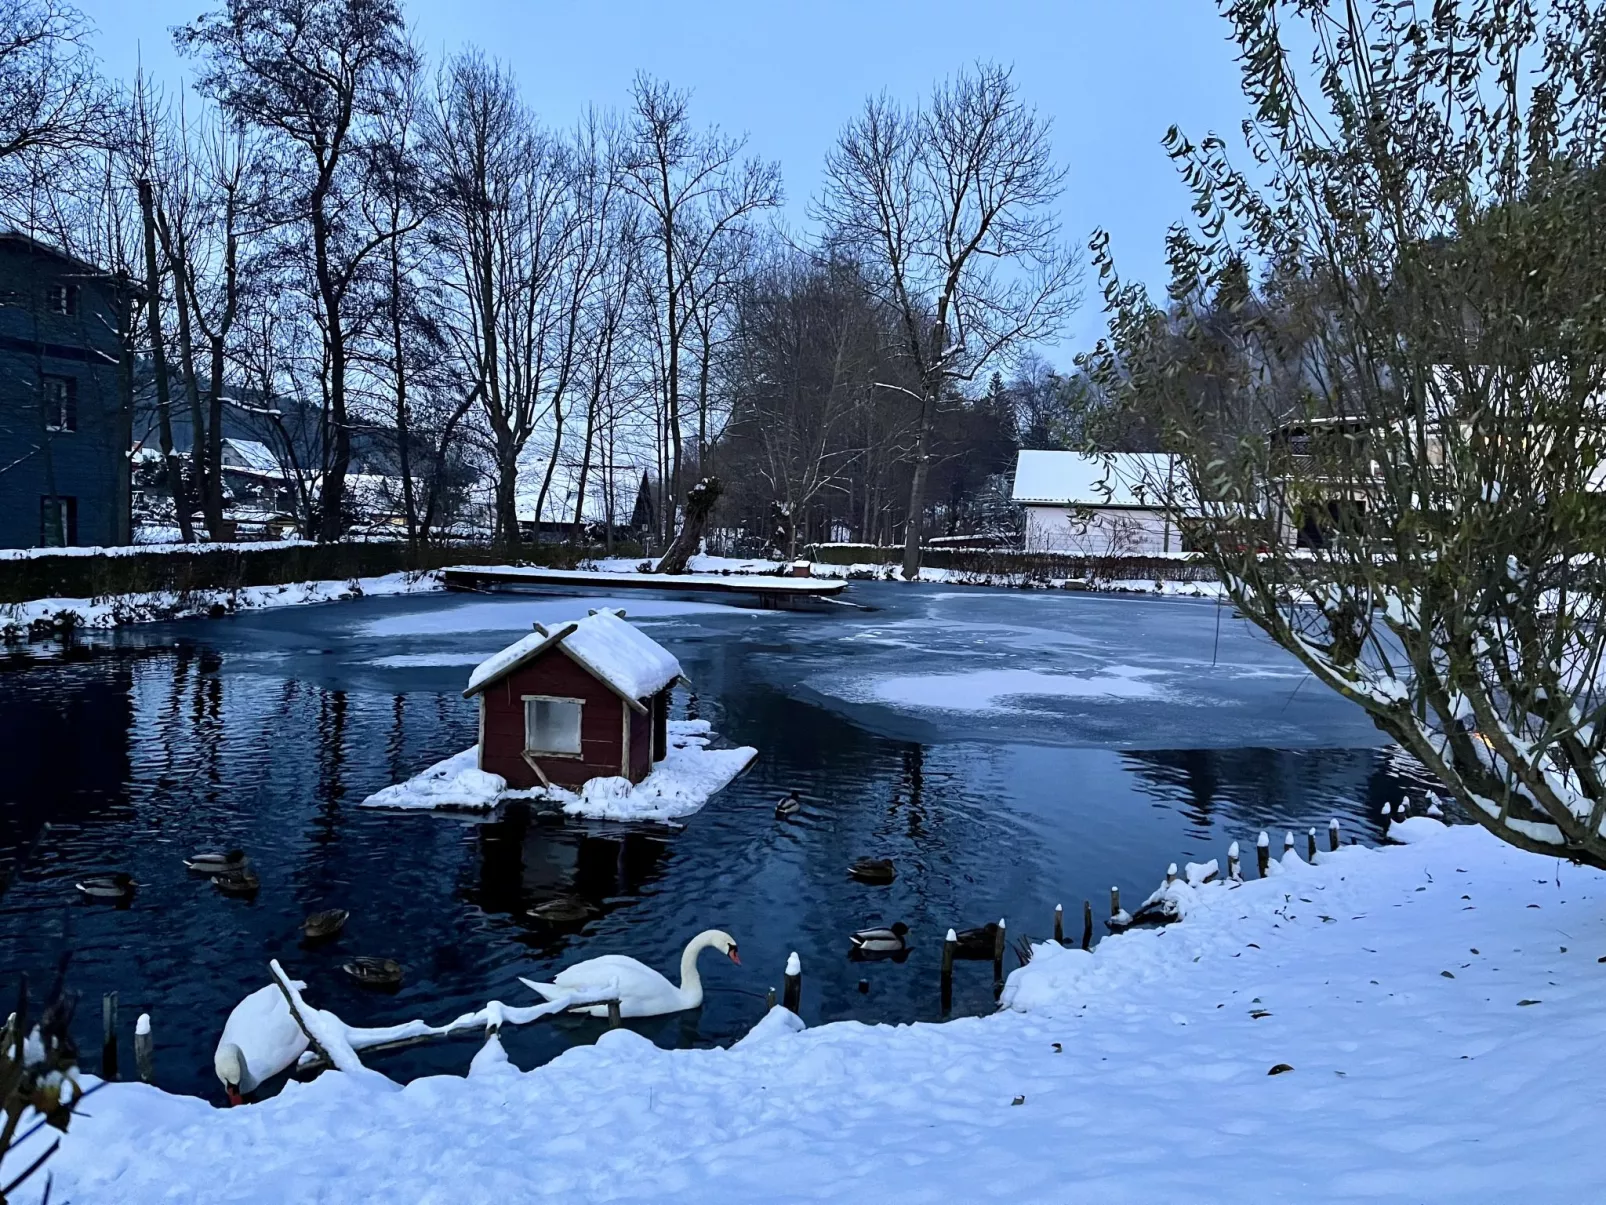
642	991
260	1039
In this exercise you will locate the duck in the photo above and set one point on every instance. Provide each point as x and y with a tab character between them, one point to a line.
375	972
260	1039
325	924
240	881
979	943
215	863
891	939
789	806
879	871
642	991
565	910
117	885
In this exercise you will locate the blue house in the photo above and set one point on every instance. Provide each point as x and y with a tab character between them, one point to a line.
65	398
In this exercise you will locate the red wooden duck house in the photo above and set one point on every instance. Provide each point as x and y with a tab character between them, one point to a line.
575	701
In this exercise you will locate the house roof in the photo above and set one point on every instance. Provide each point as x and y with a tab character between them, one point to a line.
255	456
82	265
616	653
1124	479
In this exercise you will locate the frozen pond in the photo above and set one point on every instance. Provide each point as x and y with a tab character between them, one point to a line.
1008	750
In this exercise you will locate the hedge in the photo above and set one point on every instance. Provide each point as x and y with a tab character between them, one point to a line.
1004	561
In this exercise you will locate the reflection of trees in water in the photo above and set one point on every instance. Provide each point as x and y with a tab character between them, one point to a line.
1263	787
525	860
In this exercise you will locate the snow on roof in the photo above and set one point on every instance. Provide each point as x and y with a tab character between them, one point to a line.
1078	479
616	652
250	454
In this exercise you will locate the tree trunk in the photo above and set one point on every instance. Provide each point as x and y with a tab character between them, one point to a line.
917	493
335	459
700	501
164	420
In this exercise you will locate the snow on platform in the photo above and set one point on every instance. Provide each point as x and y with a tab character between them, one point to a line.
689	775
1434	1004
490	576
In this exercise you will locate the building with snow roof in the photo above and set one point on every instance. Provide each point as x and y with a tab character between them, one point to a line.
1117	504
575	701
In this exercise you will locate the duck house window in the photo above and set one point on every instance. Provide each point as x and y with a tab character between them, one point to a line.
552	726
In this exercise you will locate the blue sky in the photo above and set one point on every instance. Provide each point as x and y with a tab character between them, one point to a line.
1112	74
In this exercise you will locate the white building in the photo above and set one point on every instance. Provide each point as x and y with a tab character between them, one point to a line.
1110	505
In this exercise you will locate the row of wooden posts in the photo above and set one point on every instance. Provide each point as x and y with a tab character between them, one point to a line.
793	980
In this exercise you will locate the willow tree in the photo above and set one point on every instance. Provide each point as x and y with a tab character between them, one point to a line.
1381	363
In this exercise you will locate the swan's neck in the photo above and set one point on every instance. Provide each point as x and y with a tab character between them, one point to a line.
691	983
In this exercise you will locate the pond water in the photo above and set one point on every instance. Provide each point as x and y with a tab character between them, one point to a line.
1008	750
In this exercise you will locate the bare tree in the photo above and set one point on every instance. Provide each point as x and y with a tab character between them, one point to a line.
313	75
698	192
951	207
1413	392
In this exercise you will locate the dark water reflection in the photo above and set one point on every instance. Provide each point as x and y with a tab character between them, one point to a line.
266	732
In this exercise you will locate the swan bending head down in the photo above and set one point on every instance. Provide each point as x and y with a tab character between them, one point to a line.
229	1063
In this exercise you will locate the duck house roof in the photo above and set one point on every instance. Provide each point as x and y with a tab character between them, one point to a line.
612	650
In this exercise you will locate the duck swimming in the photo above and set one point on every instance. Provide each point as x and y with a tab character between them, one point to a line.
115	886
215	863
375	972
565	910
891	939
325	924
789	806
879	871
240	881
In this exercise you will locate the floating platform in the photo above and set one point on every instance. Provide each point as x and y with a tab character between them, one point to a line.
781	592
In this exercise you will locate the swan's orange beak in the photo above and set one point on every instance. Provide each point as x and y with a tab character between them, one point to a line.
234	1095
734	957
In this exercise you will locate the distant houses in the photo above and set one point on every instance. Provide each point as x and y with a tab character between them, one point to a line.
1104	505
65	412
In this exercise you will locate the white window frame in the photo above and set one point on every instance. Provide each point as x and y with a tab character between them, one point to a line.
62	299
526	700
57	408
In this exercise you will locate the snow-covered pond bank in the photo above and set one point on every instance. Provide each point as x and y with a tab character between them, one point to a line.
1426	1009
1008	750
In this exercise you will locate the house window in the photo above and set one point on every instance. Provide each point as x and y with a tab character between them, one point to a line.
552	726
58	521
62	299
60	397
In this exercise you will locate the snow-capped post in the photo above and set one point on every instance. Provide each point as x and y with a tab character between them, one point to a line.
1170	874
1059	924
1087	924
998	953
1262	852
1235	872
1288	842
949	944
108	1044
1310	845
792	987
769	1000
1332	834
615	1018
144	1048
1115	902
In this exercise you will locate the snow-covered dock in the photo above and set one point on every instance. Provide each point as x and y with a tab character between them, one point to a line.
1397	1025
770	591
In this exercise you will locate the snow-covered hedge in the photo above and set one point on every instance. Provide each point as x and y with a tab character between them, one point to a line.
1178	567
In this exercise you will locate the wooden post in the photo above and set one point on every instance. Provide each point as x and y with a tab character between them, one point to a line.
949	943
1332	834
144	1048
1115	901
998	953
1059	924
108	1028
1170	874
1310	845
792	986
1087	924
1235	872
864	987
615	1018
769	1000
1288	843
1262	852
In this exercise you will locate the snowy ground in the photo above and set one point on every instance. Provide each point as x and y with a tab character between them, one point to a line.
877	571
1435	1006
687	777
118	609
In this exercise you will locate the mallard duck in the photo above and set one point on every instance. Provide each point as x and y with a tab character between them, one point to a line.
565	910
214	863
115	886
890	939
375	972
325	924
240	881
979	943
879	871
790	806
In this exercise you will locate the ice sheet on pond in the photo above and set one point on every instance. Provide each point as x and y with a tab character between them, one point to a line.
522	613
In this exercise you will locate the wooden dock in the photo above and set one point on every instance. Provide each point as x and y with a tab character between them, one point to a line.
779	592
